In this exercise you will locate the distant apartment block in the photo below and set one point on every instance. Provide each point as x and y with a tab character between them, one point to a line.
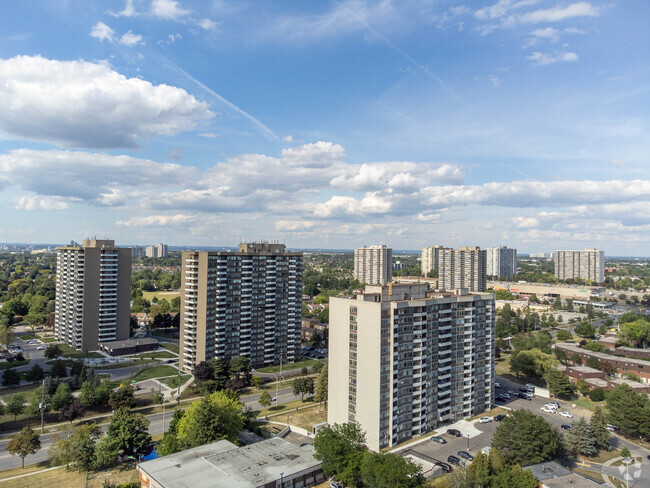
138	252
501	262
547	255
373	265
93	287
157	251
587	265
464	267
242	303
404	361
430	259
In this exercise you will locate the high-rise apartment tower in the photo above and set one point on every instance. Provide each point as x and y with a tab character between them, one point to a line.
501	262
243	303
403	362
373	265
587	265
157	251
93	291
457	268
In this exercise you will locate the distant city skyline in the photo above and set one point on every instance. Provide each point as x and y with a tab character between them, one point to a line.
332	124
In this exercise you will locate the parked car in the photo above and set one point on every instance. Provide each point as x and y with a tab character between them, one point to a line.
548	410
511	392
524	389
506	396
499	418
525	396
530	385
497	384
554	405
454	432
41	348
484	420
466	455
438	439
453	460
568	415
611	428
33	341
566	427
445	467
335	484
499	399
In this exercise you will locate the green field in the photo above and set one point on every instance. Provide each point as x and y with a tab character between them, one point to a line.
156	372
14	364
285	367
70	352
173	381
154	355
167	295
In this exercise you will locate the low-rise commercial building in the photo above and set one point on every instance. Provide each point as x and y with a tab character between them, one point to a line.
267	464
549	292
129	346
552	475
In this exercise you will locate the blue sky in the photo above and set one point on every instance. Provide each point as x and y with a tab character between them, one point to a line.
327	124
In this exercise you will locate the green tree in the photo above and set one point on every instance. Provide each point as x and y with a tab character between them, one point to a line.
304	371
625	407
592	362
221	374
303	386
24	443
38	397
564	335
559	384
340	449
585	329
82	444
576	359
241	368
169	443
597	395
53	351
380	470
106	453
211	419
88	394
320	395
580	439
479	473
10	377
63	397
58	369
35	373
202	372
583	387
599	428
60	451
625	452
6	335
16	405
525	438
122	398
514	476
265	399
129	430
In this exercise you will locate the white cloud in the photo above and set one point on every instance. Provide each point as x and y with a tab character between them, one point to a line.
317	155
102	32
207	24
371	204
542	59
84	104
556	14
130	39
32	202
168	9
209	135
157	221
293	225
288	138
129	10
502	8
495	80
549	33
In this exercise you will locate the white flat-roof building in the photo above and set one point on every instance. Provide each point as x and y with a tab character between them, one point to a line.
402	362
588	264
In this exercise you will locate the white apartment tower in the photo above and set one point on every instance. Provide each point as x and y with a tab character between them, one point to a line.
243	303
587	265
462	268
501	262
93	291
373	265
403	361
430	259
157	251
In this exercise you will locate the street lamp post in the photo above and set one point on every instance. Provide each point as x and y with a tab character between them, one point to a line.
468	442
41	406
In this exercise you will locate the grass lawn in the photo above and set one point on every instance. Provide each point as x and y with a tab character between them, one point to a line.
169	346
285	367
285	408
585	402
502	365
26	336
167	295
14	364
73	353
154	355
64	478
589	474
8	473
156	372
602	457
48	339
173	381
162	333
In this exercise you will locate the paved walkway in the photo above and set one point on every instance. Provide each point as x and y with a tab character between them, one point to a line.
30	474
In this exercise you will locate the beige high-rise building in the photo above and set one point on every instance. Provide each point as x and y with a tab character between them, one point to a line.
464	267
93	292
587	265
373	265
430	259
243	303
404	361
157	251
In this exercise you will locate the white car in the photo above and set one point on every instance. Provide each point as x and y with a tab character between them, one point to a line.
506	395
41	348
568	415
553	406
497	385
547	410
484	420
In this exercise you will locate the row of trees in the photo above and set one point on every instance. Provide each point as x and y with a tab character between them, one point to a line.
220	374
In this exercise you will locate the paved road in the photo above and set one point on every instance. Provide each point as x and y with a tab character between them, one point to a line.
7	461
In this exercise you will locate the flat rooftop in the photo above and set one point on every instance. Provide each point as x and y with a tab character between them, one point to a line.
224	465
584	369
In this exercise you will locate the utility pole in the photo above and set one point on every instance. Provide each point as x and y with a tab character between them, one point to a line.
42	405
178	398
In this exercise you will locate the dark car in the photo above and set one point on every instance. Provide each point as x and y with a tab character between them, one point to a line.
438	439
524	389
453	460
566	427
466	455
524	396
499	399
454	432
445	467
499	418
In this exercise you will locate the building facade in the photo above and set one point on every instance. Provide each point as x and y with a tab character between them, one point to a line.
243	303
156	251
501	262
462	268
373	265
93	292
403	361
587	265
430	259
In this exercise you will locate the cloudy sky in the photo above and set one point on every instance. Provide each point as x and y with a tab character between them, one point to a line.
327	124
